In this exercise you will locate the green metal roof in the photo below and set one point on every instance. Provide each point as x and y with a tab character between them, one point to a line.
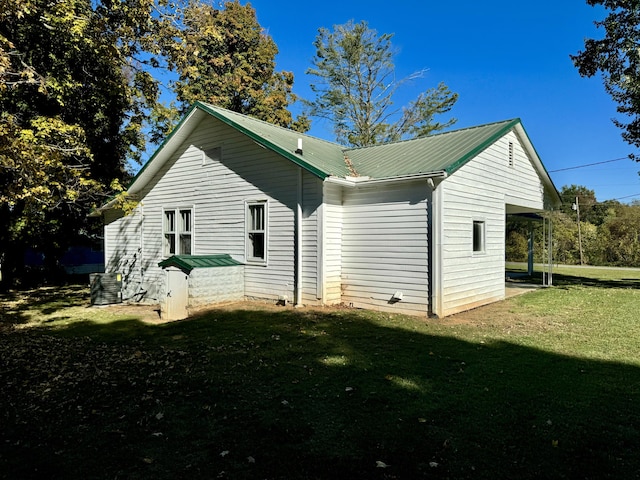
320	157
189	262
440	152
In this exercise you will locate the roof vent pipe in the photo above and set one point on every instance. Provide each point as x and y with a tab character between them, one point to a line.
299	150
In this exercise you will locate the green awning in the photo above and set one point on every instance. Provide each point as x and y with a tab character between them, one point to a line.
189	262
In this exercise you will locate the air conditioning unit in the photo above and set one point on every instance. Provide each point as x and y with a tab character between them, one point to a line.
106	288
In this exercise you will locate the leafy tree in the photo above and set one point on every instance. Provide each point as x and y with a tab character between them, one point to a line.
591	210
623	232
224	57
73	100
356	85
617	58
517	246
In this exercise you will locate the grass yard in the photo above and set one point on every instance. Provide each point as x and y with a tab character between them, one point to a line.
543	385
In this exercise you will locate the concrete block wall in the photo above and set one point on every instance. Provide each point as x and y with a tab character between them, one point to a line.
208	286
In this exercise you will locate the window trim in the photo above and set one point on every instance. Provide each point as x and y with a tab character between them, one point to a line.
178	232
478	237
249	257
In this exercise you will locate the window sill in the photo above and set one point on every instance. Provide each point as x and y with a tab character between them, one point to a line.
256	262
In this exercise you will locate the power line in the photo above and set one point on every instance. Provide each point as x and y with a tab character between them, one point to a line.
589	164
626	196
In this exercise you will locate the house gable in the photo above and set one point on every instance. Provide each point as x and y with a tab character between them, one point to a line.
473	204
318	157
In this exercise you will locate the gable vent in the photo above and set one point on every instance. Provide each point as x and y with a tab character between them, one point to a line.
511	154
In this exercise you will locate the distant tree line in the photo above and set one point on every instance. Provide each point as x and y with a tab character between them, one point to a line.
608	232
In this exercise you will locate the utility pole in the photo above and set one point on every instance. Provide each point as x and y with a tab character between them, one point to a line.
576	207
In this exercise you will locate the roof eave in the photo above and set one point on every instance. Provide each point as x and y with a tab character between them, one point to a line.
356	182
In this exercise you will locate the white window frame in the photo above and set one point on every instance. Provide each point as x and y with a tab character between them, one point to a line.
179	231
253	230
478	236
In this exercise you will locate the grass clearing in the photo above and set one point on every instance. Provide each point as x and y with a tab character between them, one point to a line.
543	385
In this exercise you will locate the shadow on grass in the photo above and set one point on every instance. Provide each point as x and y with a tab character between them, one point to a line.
305	394
568	280
47	300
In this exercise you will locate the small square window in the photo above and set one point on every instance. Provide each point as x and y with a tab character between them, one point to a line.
478	236
211	156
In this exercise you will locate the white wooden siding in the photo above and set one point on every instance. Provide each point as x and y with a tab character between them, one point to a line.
332	244
122	250
311	238
385	247
481	190
218	190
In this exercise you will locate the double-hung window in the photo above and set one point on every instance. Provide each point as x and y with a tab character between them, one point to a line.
256	244
178	231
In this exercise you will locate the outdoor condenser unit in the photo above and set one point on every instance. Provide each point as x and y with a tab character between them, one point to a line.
106	288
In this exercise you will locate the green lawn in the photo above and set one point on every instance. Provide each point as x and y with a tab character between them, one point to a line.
543	385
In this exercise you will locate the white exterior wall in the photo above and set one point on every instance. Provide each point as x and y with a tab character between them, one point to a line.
481	190
332	244
217	192
122	250
311	239
385	247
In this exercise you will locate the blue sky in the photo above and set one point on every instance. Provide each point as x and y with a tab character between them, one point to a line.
505	59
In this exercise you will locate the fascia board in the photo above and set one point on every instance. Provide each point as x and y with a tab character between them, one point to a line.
542	171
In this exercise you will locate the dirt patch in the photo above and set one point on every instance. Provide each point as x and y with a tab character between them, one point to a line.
497	313
152	313
146	313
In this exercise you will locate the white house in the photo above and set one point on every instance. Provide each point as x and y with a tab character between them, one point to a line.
416	226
